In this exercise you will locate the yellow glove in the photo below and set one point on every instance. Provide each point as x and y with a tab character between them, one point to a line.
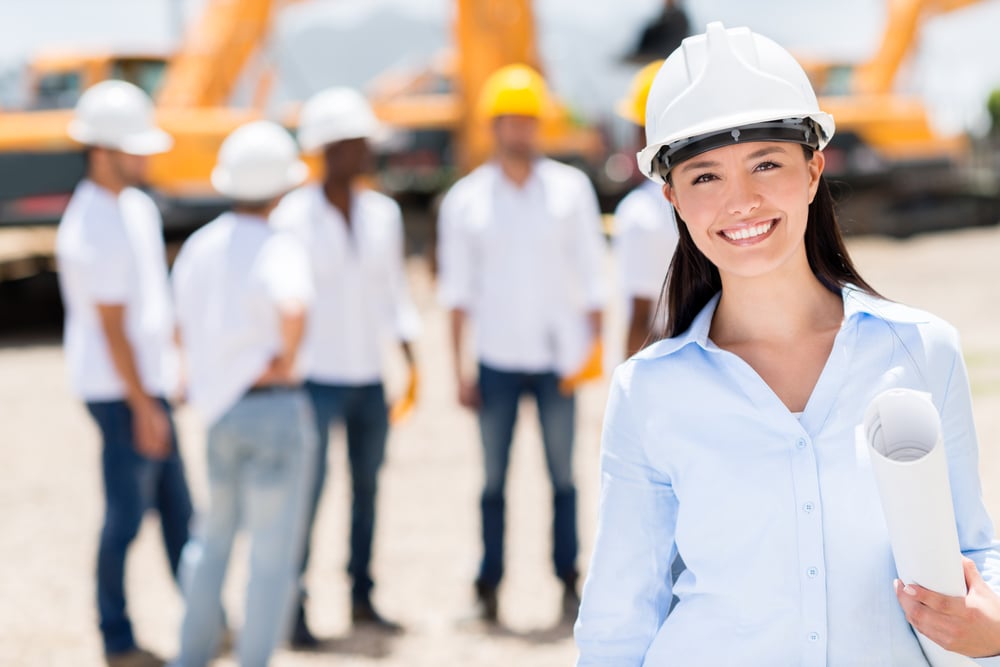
402	408
592	369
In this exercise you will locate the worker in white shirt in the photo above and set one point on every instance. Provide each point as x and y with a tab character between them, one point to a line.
355	238
242	290
645	229
119	340
520	251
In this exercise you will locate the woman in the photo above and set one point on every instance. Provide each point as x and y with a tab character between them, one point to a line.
734	440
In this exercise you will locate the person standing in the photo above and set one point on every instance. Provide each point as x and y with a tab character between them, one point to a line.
736	438
645	229
355	238
520	252
118	341
242	291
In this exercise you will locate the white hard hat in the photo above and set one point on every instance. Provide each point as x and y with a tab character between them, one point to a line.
118	115
258	161
723	87
336	114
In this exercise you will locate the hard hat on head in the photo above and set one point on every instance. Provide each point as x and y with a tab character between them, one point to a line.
725	87
633	106
118	115
257	162
513	90
336	114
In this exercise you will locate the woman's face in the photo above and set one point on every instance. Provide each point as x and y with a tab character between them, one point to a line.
746	205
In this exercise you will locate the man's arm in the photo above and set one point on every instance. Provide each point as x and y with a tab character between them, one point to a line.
293	326
150	426
468	392
638	326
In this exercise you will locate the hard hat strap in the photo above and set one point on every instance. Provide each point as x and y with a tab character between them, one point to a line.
794	130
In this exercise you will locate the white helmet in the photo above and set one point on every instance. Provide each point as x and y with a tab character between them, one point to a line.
257	162
118	115
723	87
336	114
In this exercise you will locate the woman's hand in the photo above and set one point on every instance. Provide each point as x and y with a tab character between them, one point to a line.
967	625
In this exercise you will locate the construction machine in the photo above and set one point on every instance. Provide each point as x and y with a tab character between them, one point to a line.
893	173
193	90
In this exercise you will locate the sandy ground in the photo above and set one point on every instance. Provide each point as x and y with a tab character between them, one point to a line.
427	545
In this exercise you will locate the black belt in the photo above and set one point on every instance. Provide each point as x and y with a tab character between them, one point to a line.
271	389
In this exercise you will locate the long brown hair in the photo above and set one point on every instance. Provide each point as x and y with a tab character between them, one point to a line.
693	280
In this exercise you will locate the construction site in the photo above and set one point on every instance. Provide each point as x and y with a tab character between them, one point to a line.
919	207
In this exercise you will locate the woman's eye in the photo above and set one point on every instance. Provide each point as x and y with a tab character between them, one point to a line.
703	178
766	166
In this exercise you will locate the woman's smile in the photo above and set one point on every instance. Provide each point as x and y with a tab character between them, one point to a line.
751	233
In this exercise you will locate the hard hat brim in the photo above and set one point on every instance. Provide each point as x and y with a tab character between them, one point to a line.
149	142
227	186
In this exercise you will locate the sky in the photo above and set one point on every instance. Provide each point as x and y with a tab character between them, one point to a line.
322	42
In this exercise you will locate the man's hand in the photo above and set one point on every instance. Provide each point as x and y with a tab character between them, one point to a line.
468	394
403	406
150	428
967	625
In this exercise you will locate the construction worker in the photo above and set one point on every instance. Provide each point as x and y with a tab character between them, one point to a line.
242	290
118	340
736	440
645	228
355	237
520	251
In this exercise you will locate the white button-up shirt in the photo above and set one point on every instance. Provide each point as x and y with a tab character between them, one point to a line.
645	239
229	280
777	518
362	298
110	251
525	263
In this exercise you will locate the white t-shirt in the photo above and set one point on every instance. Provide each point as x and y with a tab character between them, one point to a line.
110	251
525	262
362	299
645	240
229	279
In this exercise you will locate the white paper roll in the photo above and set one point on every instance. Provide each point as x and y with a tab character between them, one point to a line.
903	430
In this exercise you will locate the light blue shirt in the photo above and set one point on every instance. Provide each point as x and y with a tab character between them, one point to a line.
776	516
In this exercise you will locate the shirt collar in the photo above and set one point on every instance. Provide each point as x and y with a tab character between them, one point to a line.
857	303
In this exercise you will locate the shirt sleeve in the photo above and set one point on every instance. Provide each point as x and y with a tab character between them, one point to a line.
288	277
628	590
106	267
645	247
454	254
589	239
406	320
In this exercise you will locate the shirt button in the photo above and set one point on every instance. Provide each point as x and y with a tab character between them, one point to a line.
814	636
801	443
808	507
812	572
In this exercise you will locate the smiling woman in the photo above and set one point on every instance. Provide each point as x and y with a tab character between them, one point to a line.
731	441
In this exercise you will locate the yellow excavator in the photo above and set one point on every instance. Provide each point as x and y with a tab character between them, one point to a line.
193	88
897	174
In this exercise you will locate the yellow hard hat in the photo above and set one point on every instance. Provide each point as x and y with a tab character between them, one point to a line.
633	107
513	90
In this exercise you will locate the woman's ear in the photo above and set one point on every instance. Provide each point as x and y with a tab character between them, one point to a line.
815	165
670	194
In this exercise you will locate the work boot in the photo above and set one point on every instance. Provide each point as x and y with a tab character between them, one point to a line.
363	613
302	638
135	657
487	606
570	599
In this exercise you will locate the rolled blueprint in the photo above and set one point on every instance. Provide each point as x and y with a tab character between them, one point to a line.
903	430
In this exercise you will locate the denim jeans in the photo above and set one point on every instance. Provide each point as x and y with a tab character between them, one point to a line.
258	453
363	410
500	392
133	484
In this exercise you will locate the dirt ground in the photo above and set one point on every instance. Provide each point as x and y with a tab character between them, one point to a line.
427	545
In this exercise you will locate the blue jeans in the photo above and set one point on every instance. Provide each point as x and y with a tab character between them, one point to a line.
133	484
363	410
258	453
500	392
